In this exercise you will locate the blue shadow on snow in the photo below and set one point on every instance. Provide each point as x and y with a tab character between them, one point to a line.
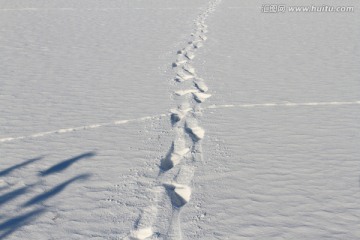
55	190
23	164
65	164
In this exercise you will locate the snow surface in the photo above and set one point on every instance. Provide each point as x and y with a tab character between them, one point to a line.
178	120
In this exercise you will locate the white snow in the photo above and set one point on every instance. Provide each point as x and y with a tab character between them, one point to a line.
201	119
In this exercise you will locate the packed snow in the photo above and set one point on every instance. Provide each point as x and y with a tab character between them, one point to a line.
174	120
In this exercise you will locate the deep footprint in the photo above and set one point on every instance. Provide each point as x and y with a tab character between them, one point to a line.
173	157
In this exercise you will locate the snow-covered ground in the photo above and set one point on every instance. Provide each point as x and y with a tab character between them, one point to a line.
190	119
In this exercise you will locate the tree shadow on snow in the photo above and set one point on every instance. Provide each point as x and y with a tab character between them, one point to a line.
23	164
55	190
65	164
13	194
11	225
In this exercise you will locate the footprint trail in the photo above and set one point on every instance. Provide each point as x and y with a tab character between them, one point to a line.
177	168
